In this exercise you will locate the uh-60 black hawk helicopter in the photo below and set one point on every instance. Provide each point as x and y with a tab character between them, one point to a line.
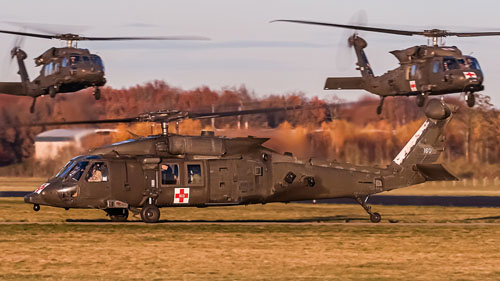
424	70
67	69
170	170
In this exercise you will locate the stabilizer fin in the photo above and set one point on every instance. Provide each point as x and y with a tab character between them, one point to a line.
344	83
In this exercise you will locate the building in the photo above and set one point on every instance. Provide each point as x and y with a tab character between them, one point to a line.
49	143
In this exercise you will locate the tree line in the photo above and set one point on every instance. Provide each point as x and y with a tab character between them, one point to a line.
335	129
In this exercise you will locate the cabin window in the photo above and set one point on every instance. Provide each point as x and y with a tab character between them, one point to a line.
169	174
435	66
64	62
56	67
413	71
48	69
194	175
77	171
86	59
98	173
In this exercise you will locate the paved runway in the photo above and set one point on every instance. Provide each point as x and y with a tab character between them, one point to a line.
401	200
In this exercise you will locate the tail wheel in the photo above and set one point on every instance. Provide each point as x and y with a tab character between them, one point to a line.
470	98
375	217
52	91
118	215
150	214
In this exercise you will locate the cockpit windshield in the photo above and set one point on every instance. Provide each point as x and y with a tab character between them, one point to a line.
472	63
62	173
97	60
450	63
77	170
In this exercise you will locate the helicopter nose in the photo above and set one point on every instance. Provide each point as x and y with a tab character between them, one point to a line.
34	198
46	194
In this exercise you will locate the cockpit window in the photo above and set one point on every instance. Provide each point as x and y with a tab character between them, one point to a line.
169	174
77	171
97	173
450	64
472	63
74	59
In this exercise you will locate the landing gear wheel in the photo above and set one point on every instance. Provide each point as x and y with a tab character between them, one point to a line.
97	93
379	110
32	107
470	98
150	214
52	91
375	217
118	215
420	100
36	207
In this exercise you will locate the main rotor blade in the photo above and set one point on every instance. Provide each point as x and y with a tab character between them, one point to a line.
83	122
242	112
358	27
30	34
142	38
474	34
426	33
76	37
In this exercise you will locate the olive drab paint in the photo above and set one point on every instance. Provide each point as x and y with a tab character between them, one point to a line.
148	173
424	70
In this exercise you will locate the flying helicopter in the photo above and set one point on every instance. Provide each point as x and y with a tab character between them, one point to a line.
170	170
424	70
67	69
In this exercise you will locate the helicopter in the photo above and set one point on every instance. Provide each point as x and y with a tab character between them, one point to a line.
145	174
67	69
424	70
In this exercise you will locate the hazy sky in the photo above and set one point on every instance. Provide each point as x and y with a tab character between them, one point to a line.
246	48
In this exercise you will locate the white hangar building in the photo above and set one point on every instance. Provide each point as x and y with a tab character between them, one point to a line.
49	143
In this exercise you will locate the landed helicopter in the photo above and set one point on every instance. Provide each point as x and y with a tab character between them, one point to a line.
169	170
67	69
424	70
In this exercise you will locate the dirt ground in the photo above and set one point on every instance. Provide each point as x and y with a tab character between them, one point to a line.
269	242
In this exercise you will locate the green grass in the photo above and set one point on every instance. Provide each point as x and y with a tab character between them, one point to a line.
255	242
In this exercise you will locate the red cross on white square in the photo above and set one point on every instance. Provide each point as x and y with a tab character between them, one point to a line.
413	86
470	75
181	195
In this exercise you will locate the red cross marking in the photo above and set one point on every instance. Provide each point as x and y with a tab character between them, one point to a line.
470	74
181	196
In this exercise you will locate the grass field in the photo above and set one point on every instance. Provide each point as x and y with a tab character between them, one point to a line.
269	242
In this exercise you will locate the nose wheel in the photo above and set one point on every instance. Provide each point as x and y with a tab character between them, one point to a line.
97	93
470	99
36	207
374	216
421	100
